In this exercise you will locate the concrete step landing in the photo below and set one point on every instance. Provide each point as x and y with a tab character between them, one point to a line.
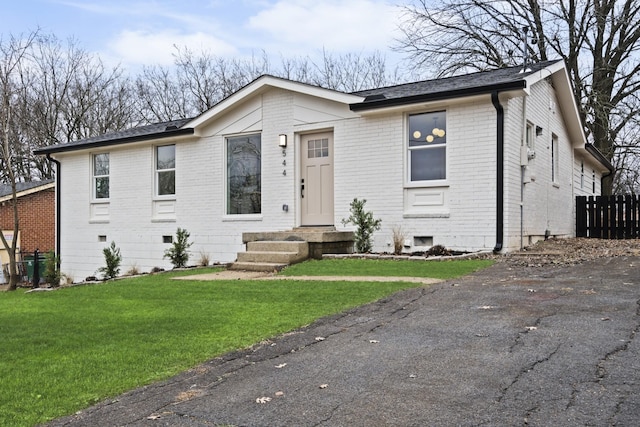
272	251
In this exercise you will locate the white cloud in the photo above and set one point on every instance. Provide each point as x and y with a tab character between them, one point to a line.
337	25
157	48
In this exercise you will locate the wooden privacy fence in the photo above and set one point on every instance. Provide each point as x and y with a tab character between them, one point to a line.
608	217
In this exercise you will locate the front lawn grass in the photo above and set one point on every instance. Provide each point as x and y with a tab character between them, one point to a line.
62	351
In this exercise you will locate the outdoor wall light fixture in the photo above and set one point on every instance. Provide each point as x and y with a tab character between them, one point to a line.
282	143
538	131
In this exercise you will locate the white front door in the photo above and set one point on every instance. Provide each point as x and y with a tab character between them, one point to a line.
316	179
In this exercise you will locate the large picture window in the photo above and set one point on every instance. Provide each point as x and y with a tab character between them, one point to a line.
427	146
244	175
166	170
101	176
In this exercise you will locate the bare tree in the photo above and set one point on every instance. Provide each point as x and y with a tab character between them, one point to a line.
13	53
198	81
194	84
70	95
598	40
352	72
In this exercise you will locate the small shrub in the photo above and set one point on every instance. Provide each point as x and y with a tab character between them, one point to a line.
112	259
133	270
51	273
398	239
438	250
178	252
204	259
365	225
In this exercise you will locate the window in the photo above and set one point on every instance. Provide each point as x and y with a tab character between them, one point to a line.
555	164
530	137
318	148
101	176
244	175
166	170
593	182
581	175
427	146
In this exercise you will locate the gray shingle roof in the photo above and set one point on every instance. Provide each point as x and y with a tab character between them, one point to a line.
128	135
480	82
450	87
5	189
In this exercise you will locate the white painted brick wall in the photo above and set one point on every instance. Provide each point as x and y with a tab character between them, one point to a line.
548	206
370	159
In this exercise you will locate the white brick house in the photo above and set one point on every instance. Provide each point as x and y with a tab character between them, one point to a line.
486	161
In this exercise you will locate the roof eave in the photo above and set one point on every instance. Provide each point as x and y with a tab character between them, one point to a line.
62	148
591	149
27	192
439	96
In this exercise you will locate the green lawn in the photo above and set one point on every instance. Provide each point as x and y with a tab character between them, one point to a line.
387	267
62	351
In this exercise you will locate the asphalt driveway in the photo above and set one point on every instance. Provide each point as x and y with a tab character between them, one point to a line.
552	346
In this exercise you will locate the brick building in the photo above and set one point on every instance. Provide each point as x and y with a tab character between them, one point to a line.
478	162
36	213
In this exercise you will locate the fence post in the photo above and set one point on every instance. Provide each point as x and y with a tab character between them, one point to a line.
581	216
621	223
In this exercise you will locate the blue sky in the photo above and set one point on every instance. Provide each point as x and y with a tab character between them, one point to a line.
142	32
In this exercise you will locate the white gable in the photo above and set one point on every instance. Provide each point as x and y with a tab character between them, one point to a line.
265	83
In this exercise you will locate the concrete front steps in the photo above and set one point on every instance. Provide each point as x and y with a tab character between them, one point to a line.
271	255
272	251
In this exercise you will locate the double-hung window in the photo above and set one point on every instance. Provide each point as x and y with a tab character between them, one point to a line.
427	146
244	175
166	170
101	176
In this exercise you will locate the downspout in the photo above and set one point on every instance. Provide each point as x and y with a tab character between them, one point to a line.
57	163
499	172
523	167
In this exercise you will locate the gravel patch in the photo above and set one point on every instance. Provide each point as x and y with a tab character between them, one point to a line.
570	251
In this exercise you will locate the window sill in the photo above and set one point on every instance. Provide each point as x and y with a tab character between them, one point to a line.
163	220
239	217
426	215
99	221
427	184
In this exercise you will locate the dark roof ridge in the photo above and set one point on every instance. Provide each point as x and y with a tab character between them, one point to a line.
537	65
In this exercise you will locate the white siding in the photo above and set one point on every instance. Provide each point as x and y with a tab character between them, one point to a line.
370	162
371	157
548	206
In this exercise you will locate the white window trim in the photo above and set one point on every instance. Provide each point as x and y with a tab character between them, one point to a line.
225	180
94	198
428	183
530	136
156	186
555	159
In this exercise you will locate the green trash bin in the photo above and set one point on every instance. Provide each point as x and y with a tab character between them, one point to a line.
30	262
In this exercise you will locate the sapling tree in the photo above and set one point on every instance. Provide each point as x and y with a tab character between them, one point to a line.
112	259
51	269
365	224
178	253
